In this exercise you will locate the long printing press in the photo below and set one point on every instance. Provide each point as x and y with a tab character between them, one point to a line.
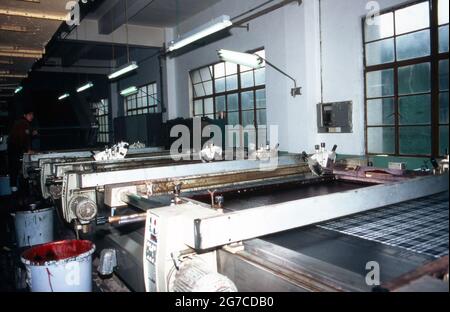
261	224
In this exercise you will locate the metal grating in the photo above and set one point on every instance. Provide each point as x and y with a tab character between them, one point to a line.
419	225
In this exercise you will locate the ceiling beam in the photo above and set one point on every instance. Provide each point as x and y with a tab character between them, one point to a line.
13	76
13	28
21	49
116	17
74	70
38	15
20	55
6	62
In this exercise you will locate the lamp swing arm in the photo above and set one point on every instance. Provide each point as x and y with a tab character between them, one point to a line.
296	90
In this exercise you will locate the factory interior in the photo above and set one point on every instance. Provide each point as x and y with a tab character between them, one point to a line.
224	146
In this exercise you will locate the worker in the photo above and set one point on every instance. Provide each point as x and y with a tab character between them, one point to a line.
19	142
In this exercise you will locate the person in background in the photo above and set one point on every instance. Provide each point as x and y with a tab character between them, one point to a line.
19	142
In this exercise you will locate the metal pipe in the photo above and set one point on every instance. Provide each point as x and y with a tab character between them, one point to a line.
136	218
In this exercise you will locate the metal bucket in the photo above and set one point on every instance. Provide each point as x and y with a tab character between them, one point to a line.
34	227
64	266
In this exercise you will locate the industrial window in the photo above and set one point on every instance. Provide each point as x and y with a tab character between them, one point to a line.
101	112
406	76
145	101
231	92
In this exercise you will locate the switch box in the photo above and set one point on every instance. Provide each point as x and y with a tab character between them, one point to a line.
335	117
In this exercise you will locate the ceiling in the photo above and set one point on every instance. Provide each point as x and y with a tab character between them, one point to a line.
167	13
25	28
158	13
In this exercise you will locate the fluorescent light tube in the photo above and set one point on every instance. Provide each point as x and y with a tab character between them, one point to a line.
123	70
18	90
62	97
85	87
128	91
203	31
245	59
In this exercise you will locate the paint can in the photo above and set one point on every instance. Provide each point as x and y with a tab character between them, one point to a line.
34	227
64	266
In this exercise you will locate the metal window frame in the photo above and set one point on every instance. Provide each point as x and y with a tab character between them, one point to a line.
434	58
148	107
107	118
239	90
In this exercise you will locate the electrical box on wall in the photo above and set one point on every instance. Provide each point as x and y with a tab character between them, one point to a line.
335	117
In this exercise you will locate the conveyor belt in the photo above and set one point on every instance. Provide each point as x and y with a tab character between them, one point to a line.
420	225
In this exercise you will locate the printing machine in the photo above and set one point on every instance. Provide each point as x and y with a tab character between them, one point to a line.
252	225
52	171
32	162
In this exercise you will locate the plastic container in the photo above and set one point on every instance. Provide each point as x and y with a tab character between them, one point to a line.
5	189
64	266
34	227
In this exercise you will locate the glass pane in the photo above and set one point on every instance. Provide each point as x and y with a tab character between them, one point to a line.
381	140
414	79
139	102
232	82
243	68
247	80
443	108
231	69
260	76
233	118
415	140
443	75
380	83
247	100
220	104
380	112
413	45
220	85
380	52
233	102
248	118
443	39
205	73
145	100
381	26
443	140
261	98
152	101
415	110
261	117
198	107
199	90
209	106
208	87
195	76
219	70
412	18
443	12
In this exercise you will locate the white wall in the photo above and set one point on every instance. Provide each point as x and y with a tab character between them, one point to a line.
342	65
291	38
